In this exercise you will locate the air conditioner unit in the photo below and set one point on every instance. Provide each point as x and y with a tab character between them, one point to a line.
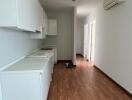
110	3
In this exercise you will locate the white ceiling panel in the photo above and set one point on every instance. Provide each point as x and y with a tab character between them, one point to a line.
59	4
83	6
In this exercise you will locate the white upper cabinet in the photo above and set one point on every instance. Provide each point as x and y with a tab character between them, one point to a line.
39	35
24	15
52	27
43	29
46	23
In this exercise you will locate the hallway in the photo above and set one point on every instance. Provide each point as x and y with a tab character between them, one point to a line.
83	83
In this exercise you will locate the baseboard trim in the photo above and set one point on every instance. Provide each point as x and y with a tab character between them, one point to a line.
79	54
67	61
64	61
126	91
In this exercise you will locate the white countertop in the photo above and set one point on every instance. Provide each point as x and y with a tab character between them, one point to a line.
29	64
42	53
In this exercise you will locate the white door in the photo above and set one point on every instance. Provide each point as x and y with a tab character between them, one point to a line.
89	40
92	27
86	41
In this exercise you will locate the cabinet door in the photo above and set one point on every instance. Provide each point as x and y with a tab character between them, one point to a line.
45	23
21	14
40	16
40	24
21	86
30	15
26	14
52	29
45	84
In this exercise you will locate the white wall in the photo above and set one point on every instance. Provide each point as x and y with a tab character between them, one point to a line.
13	45
113	43
63	41
80	36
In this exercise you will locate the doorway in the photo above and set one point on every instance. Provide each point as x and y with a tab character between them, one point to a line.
92	41
89	41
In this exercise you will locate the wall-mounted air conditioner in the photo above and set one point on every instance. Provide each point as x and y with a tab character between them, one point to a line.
110	3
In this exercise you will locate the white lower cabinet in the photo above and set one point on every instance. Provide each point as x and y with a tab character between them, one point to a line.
52	54
28	79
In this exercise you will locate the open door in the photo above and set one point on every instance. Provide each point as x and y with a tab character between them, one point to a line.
86	41
92	28
89	40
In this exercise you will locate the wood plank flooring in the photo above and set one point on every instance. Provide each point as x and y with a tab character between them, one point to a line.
83	83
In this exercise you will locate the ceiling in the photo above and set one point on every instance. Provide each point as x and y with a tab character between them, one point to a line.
86	6
59	4
83	6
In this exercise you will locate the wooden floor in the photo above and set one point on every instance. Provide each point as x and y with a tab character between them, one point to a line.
83	83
